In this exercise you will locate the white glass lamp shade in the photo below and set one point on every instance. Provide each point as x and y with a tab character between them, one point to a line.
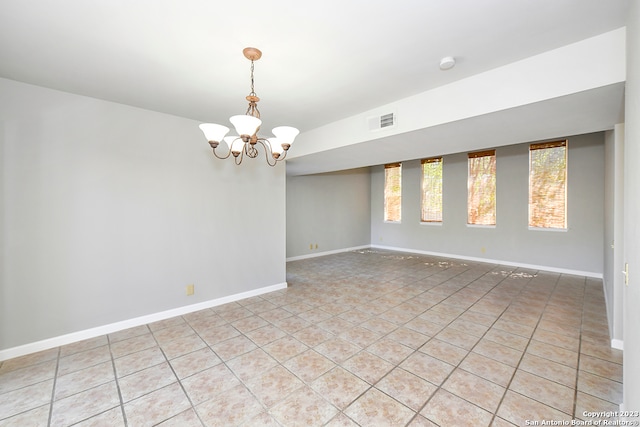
245	125
213	132
276	146
285	134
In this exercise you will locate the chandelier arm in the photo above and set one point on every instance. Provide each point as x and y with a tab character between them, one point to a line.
267	152
219	157
238	159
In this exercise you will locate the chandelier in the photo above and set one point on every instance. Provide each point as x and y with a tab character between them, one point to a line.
247	126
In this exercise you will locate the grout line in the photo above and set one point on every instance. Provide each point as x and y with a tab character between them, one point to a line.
53	388
115	375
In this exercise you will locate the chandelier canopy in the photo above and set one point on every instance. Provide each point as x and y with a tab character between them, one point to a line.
247	126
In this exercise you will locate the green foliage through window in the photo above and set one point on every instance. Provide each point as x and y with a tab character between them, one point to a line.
392	192
481	188
548	185
431	190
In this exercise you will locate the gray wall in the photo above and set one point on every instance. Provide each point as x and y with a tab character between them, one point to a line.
578	249
110	211
331	210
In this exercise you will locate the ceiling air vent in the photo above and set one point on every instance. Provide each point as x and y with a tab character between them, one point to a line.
380	122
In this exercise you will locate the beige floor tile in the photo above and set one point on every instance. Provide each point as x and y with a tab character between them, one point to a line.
408	337
427	367
309	365
588	403
183	345
23	399
558	340
375	408
337	349
246	366
489	369
545	391
84	359
390	350
601	351
209	383
519	409
476	390
233	347
37	417
146	381
498	352
234	407
368	366
192	363
550	370
131	345
29	375
273	385
304	407
447	409
600	387
359	336
111	418
249	323
407	388
457	338
469	327
341	420
285	348
553	353
291	324
507	339
85	404
340	387
188	418
83	345
134	362
174	332
444	351
424	326
313	335
601	367
264	335
82	380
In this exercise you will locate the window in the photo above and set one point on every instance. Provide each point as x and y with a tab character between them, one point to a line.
431	190
548	185
481	188
392	192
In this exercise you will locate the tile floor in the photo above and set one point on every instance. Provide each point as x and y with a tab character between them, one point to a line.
368	338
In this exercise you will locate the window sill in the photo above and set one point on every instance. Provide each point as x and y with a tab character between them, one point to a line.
481	226
553	230
393	222
431	223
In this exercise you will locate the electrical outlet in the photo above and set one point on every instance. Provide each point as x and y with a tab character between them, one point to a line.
316	246
190	289
311	246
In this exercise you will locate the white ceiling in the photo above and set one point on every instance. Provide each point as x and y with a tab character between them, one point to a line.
322	61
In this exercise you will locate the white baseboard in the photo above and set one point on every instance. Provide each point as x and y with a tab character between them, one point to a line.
130	323
319	254
492	261
617	344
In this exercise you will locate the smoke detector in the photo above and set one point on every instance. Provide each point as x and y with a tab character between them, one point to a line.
447	63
